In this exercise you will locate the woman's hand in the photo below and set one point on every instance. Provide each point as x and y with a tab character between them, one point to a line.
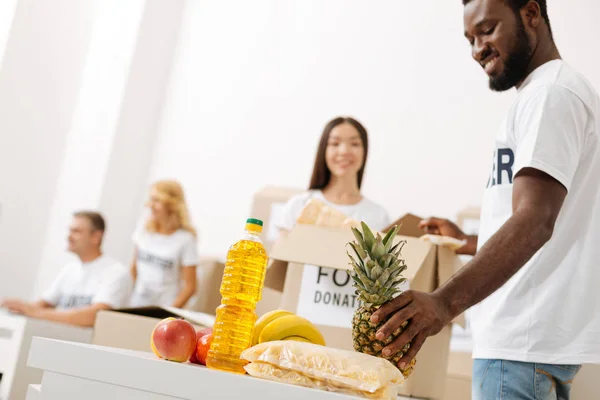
444	227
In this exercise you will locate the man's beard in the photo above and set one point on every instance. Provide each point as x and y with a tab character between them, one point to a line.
515	68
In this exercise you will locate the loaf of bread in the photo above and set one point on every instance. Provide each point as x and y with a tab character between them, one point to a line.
324	368
444	241
316	212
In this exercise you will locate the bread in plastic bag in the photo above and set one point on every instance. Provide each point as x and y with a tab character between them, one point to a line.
277	374
338	367
310	212
316	212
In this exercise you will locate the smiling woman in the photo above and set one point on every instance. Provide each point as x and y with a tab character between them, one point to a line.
336	181
338	175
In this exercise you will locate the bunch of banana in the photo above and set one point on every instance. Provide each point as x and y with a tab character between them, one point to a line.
284	325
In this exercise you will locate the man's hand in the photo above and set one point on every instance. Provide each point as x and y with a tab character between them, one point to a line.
443	227
426	314
18	306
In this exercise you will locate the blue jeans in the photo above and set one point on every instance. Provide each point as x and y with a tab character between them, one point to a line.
511	380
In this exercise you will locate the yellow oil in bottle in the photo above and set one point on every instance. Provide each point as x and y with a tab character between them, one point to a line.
241	289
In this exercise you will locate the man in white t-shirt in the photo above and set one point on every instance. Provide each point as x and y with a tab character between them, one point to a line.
534	276
84	286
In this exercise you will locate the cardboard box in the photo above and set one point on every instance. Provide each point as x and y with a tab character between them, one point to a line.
317	287
207	297
267	205
586	384
458	381
130	328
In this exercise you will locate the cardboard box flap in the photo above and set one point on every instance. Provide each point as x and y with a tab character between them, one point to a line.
409	226
276	193
166	312
448	265
327	247
268	205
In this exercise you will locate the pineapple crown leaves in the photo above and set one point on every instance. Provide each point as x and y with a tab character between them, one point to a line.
376	265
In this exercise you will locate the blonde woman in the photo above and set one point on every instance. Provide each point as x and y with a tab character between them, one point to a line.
166	252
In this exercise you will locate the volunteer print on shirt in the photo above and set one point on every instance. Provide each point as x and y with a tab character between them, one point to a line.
158	263
549	311
502	171
102	280
149	258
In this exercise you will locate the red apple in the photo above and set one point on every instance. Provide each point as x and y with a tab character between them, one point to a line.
199	334
204	331
152	346
174	339
202	348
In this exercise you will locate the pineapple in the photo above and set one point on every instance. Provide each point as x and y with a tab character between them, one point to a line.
376	272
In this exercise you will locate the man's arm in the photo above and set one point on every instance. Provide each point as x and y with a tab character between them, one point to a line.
43	304
16	305
537	200
85	316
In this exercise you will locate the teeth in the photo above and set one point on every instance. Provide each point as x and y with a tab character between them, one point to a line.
489	63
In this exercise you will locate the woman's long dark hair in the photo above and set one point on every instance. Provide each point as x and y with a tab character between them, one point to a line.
321	174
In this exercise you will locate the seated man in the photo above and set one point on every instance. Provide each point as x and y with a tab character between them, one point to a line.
92	282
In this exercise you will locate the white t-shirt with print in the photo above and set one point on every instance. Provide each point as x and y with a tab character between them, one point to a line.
549	312
80	284
366	210
333	283
159	260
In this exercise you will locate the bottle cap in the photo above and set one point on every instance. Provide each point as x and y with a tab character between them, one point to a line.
254	225
254	221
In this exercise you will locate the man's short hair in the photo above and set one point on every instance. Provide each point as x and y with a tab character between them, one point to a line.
95	219
517	5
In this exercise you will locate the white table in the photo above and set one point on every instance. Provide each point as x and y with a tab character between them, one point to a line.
16	333
74	371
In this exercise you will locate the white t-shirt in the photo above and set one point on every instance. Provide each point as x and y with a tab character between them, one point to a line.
366	210
549	312
102	280
159	260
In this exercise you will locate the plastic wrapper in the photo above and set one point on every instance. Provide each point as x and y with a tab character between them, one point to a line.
444	241
316	212
274	373
334	367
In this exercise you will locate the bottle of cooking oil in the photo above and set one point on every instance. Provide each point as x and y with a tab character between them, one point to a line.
241	289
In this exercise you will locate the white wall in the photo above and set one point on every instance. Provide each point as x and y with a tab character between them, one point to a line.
7	12
252	88
126	178
39	83
82	87
92	132
114	125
